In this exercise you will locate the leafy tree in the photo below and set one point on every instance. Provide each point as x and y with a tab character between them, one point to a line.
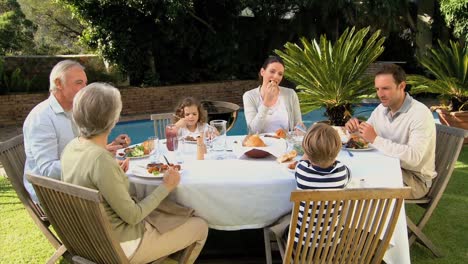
456	15
16	32
58	30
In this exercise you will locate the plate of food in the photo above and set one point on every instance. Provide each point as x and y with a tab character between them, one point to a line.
357	143
135	152
154	170
255	146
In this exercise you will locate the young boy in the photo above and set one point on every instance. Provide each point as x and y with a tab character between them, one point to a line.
318	169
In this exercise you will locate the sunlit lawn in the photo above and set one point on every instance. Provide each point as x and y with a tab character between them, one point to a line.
22	242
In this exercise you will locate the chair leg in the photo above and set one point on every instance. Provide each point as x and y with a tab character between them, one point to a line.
57	254
266	237
425	241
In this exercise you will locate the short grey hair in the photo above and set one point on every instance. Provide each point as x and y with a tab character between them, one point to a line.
96	109
59	71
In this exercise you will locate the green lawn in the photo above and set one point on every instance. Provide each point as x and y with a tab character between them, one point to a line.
22	242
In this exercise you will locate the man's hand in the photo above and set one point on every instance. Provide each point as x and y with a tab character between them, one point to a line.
124	164
367	132
352	125
171	179
122	140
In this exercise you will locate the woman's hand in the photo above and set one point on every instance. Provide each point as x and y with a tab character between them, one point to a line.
171	179
270	94
124	164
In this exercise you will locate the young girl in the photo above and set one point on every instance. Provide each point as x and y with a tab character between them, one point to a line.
191	118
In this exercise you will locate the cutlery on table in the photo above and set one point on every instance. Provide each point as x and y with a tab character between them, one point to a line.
349	152
167	161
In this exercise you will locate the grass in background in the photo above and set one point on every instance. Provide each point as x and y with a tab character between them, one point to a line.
22	242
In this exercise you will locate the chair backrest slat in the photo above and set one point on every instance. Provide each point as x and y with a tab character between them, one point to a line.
79	217
351	225
448	146
13	159
160	122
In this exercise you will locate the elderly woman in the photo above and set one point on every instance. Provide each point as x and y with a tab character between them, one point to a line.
86	162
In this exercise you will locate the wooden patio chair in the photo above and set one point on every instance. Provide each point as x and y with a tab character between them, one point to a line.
160	123
449	142
78	215
363	225
13	158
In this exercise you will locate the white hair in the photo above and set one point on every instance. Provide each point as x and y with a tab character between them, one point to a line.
96	109
59	70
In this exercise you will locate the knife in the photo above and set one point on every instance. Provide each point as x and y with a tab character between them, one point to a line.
166	160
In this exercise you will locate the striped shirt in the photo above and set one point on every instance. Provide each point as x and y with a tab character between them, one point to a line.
309	176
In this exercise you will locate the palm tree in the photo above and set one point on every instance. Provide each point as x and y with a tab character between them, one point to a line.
331	75
449	65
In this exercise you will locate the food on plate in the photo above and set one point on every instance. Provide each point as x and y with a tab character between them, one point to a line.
356	142
253	141
287	157
157	168
281	133
292	165
139	150
190	138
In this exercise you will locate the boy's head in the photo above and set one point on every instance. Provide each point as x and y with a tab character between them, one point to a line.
322	144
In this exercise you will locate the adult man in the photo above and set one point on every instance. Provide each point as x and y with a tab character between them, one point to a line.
49	127
401	127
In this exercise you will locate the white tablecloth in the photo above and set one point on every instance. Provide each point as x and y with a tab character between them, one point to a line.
234	194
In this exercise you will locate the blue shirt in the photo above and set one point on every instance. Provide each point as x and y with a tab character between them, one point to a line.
47	130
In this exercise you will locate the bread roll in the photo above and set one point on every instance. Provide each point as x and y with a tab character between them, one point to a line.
253	141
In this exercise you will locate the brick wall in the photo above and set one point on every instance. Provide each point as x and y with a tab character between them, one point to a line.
136	101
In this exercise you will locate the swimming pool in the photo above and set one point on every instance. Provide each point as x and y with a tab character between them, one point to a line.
140	130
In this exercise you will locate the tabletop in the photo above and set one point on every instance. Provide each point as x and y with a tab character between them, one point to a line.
243	193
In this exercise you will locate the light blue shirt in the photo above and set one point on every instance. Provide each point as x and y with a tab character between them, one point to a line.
47	130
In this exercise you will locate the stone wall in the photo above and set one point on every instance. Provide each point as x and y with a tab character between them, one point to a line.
136	101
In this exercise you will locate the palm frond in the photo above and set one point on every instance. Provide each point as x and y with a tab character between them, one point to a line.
329	75
449	65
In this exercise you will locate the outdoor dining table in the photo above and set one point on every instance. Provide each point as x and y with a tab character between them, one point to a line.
238	193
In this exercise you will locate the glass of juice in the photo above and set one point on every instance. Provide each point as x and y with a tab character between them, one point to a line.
172	140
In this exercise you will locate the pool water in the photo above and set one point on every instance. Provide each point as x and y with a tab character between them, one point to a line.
140	130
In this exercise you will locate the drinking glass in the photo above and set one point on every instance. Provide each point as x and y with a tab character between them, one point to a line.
154	149
219	142
172	140
209	135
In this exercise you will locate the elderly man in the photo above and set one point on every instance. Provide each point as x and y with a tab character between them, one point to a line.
401	127
49	126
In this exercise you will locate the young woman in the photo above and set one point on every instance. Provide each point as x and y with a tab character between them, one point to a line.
270	106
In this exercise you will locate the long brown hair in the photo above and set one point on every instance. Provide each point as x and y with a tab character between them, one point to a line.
190	101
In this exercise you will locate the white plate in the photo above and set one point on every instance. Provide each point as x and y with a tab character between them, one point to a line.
363	149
